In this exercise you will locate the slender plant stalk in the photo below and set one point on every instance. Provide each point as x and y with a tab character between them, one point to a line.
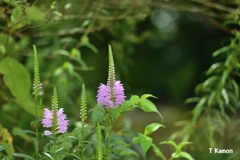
99	143
54	145
36	123
54	120
110	96
37	90
82	146
83	116
109	132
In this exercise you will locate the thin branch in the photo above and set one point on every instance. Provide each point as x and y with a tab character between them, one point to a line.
217	6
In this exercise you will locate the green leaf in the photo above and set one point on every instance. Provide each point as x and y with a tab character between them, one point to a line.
225	95
214	67
198	108
152	128
158	152
210	81
23	133
135	140
221	50
92	47
76	55
16	77
235	87
22	155
185	155
48	155
145	142
145	96
3	147
182	144
85	42
128	152
18	19
128	104
35	14
68	67
211	98
134	100
148	106
28	105
192	100
98	114
62	52
172	143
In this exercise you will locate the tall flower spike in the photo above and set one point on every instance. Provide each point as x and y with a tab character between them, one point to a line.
37	85
83	108
112	94
111	73
55	118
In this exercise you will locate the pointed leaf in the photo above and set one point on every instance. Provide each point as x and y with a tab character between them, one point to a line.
48	155
128	152
22	155
214	67
148	106
198	108
172	143
182	144
158	152
152	128
225	95
145	142
235	87
145	96
16	77
185	155
221	50
210	81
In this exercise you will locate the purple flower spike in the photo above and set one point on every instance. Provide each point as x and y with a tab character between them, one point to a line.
111	95
47	118
62	121
105	98
104	95
118	93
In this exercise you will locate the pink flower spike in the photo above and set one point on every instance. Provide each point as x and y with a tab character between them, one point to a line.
47	118
62	121
106	99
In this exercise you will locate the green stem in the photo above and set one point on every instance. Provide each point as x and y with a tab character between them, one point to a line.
82	146
109	130
36	123
54	146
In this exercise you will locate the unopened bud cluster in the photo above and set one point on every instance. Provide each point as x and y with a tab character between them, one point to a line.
38	89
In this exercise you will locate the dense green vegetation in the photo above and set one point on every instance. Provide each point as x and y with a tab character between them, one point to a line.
158	50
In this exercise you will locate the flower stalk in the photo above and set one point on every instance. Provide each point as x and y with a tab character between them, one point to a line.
54	119
83	116
37	91
99	143
110	96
